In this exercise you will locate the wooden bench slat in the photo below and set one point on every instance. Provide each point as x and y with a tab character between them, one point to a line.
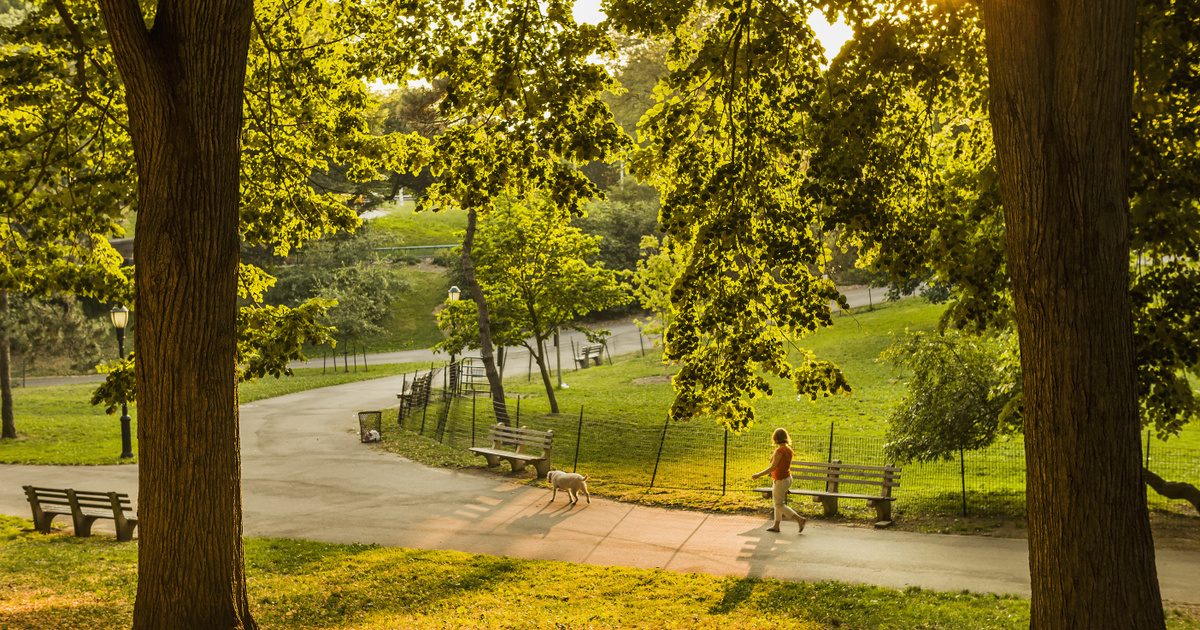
846	466
518	430
808	472
844	480
841	495
493	451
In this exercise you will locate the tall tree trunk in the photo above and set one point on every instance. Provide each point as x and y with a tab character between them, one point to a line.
1061	90
184	86
8	425
486	354
540	356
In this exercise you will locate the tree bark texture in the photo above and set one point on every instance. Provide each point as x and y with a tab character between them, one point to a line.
540	357
1061	88
486	353
184	81
8	425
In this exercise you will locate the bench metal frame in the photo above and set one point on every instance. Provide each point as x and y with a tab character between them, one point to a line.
508	443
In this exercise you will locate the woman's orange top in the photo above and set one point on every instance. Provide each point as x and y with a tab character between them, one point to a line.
783	462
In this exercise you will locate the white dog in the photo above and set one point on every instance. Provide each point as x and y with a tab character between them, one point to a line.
573	483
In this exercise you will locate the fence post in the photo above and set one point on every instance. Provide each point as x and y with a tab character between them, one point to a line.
830	442
473	419
962	472
657	458
425	398
725	463
401	410
578	437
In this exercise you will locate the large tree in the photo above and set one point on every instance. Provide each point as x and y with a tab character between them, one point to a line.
184	81
539	275
1058	83
225	128
522	99
1061	76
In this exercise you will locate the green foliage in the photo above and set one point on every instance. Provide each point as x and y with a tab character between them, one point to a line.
273	336
724	148
68	161
537	273
519	79
306	112
64	162
955	395
119	386
656	273
908	167
57	332
642	63
622	220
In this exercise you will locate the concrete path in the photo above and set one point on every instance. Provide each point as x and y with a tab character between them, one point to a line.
306	476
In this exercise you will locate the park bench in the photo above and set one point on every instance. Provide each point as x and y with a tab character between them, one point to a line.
508	443
84	508
589	353
879	481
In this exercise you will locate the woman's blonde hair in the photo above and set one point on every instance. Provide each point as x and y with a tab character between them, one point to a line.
780	436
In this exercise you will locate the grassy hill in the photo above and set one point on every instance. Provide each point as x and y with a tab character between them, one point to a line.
407	228
624	407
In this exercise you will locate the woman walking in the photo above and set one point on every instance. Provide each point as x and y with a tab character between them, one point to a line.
781	475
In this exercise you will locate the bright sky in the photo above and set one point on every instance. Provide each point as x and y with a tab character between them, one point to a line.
832	36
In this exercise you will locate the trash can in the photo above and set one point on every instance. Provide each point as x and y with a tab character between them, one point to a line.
370	424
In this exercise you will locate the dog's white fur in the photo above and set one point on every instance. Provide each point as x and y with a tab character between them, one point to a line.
572	483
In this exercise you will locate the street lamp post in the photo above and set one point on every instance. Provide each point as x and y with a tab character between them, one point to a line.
120	317
453	296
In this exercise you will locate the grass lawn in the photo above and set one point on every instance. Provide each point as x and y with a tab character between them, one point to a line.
57	581
58	425
625	406
408	228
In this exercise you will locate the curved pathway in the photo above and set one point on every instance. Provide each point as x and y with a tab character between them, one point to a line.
305	475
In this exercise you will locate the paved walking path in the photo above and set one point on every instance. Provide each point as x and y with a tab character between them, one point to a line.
306	476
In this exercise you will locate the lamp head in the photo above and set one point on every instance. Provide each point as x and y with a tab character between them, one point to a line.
454	294
120	317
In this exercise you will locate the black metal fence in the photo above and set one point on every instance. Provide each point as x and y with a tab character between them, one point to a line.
701	458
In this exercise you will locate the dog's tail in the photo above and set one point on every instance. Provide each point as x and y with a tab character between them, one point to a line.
585	477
